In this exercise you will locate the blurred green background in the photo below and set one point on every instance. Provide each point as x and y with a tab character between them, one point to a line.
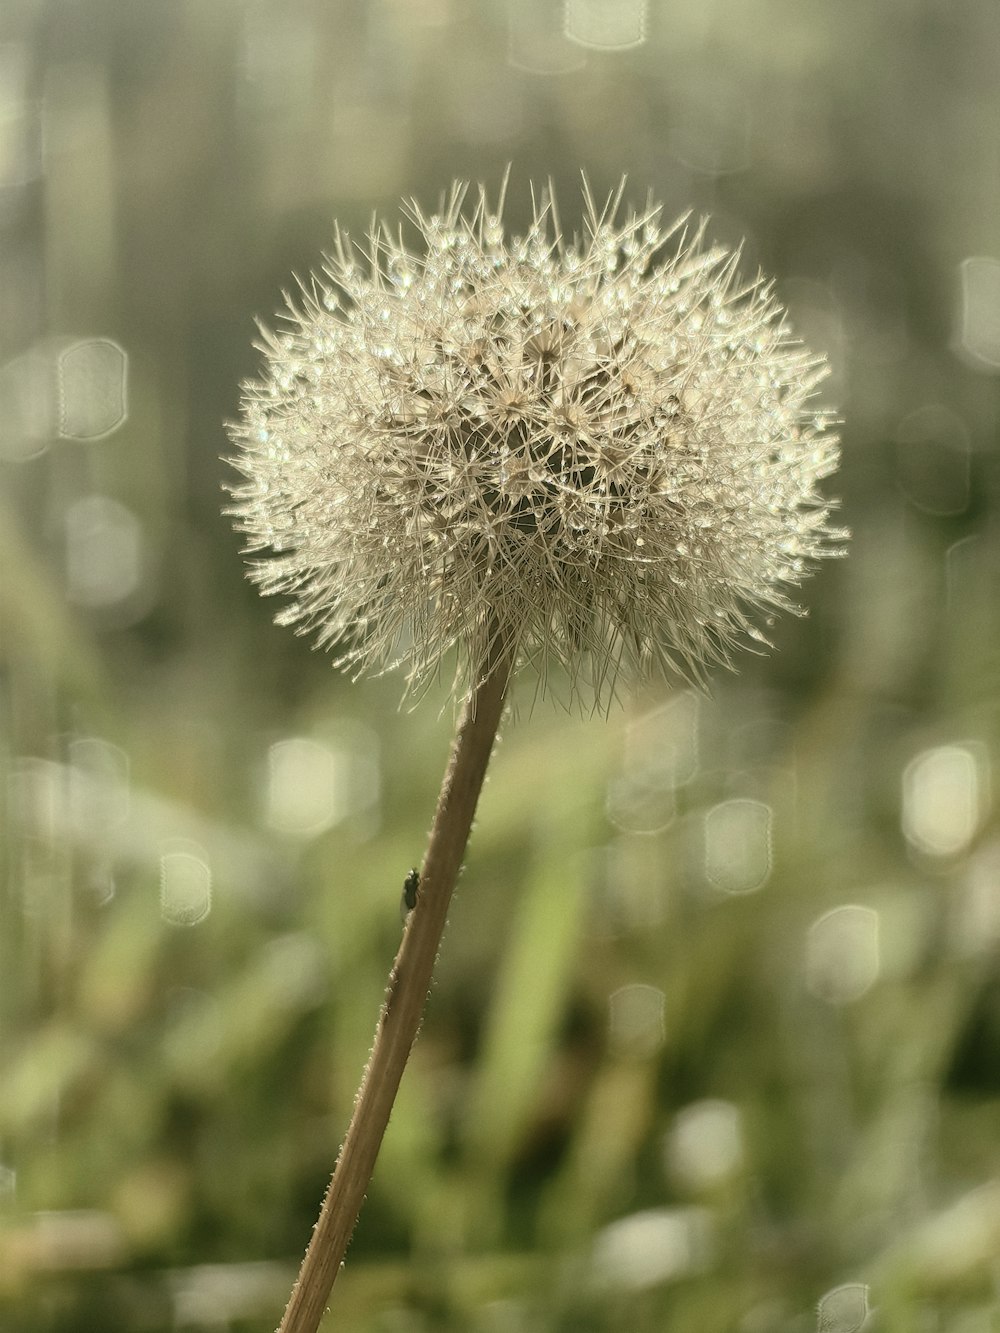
715	1040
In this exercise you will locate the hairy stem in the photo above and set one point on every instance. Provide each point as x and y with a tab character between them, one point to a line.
406	995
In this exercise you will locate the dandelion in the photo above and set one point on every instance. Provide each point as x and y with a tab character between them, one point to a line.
595	456
599	455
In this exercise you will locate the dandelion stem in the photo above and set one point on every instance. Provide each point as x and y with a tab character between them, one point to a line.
406	995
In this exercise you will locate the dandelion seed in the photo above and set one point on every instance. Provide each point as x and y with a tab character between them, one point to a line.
600	452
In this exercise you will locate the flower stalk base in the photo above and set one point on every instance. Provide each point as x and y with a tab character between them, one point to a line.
406	995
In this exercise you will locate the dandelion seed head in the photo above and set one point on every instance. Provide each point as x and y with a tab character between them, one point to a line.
599	452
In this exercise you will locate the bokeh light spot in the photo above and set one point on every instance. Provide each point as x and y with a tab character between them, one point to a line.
976	923
222	1295
27	411
704	1147
933	460
738	845
537	42
312	784
661	753
843	955
294	971
185	883
943	799
843	1310
979	318
713	133
608	25
20	134
305	794
652	1247
99	791
92	377
8	1181
104	550
82	1238
635	1019
194	1032
36	793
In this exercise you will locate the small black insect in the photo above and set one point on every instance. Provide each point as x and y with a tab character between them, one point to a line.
411	887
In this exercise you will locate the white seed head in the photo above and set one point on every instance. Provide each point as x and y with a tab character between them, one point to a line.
598	452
